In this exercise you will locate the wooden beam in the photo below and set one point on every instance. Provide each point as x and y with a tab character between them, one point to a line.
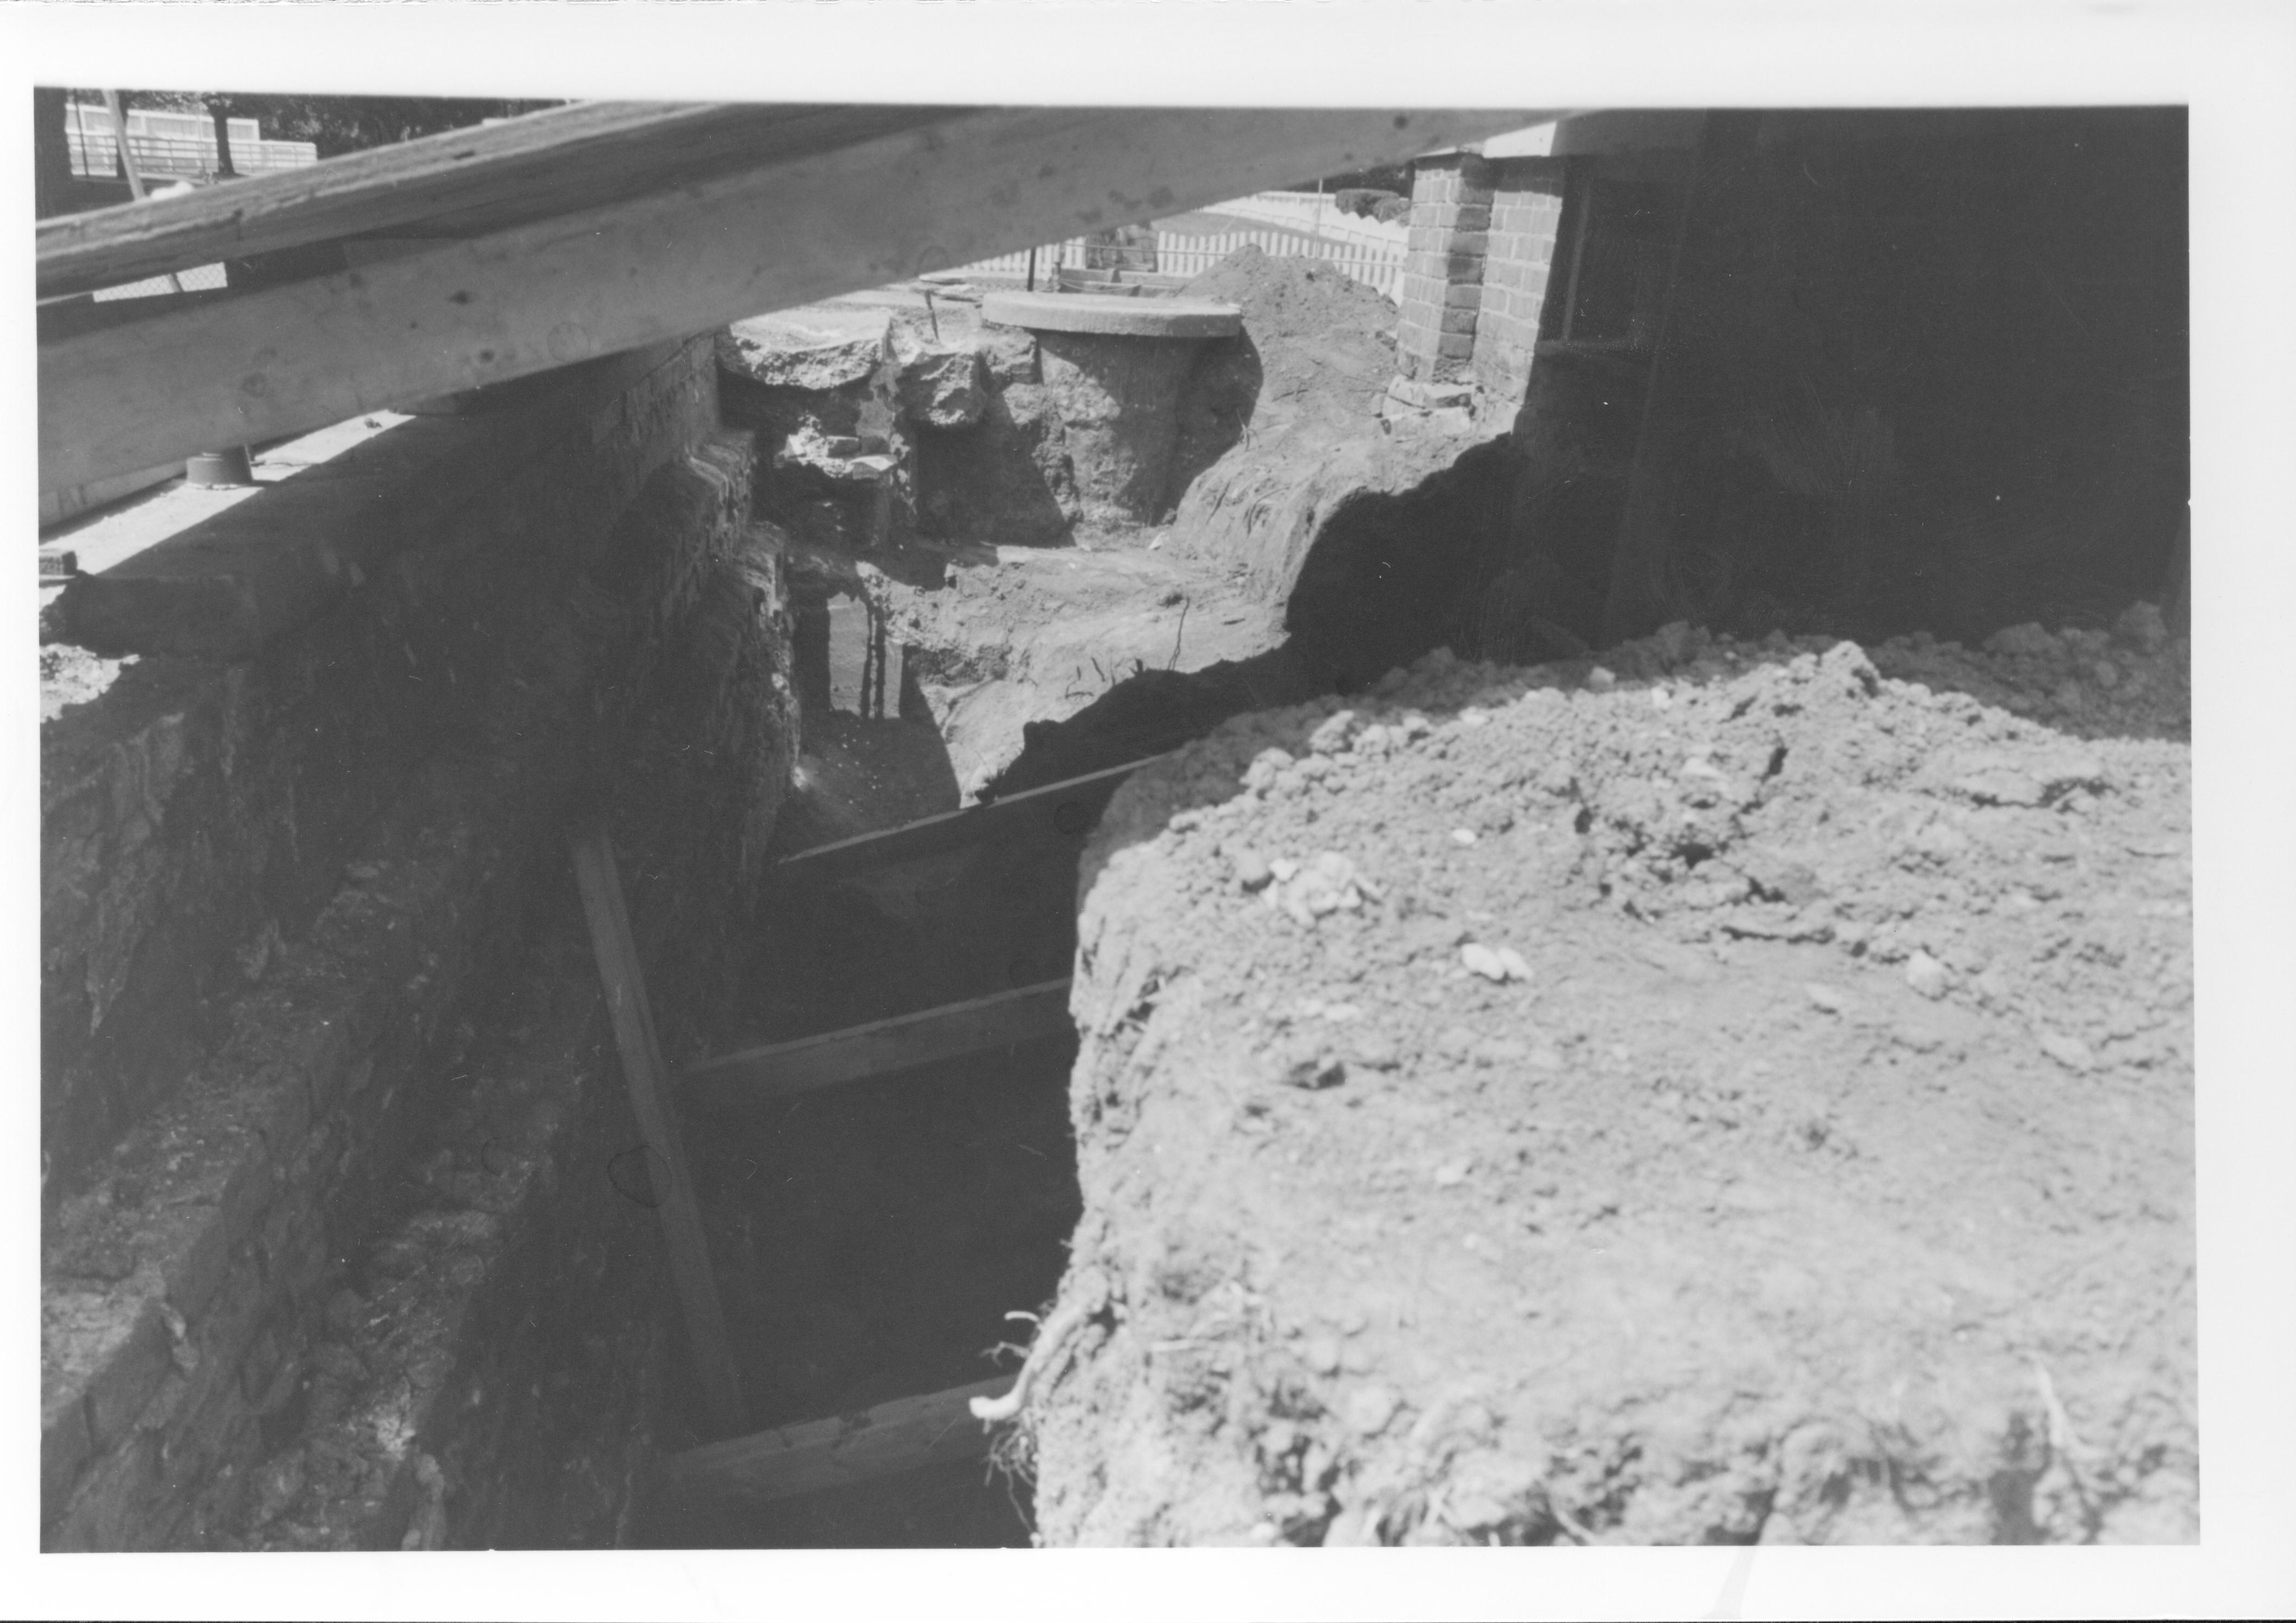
906	1434
464	183
1637	600
880	1048
671	262
1065	810
645	1075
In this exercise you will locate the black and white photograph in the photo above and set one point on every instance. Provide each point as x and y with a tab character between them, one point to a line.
821	778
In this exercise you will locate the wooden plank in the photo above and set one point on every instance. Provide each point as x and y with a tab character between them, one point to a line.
669	264
459	184
1637	600
643	1071
906	1434
1065	810
880	1048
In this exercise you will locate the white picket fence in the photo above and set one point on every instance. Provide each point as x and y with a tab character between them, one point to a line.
1378	266
171	145
1318	214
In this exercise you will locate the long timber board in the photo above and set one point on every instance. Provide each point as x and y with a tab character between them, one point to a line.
1063	811
906	1434
880	1048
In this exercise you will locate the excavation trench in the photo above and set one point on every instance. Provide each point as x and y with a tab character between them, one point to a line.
1834	840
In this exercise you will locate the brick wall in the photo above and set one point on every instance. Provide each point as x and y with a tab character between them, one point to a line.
1526	222
325	815
1443	274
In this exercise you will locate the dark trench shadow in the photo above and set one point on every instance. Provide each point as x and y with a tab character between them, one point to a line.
1494	561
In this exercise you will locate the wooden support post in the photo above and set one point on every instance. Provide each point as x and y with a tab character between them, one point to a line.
1637	597
880	1048
643	1072
906	1434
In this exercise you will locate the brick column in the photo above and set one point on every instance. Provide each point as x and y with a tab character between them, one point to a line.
1526	217
1443	277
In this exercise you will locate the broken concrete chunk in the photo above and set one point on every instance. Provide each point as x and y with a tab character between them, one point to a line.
1008	353
938	386
827	349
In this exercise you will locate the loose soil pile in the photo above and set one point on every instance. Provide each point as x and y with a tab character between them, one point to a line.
1744	1098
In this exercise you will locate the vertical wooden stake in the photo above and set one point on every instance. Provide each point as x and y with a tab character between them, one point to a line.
643	1072
1646	527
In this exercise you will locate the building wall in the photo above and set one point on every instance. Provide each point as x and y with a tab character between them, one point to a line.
306	1242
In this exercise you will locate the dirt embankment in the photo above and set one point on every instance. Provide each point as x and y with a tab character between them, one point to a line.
1747	1098
1279	430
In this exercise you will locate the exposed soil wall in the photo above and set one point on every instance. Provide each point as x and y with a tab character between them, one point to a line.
1748	1100
320	1253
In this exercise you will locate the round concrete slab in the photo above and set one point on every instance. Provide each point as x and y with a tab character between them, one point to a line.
1113	318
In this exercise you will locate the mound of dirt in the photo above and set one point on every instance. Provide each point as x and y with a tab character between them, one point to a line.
1280	426
1748	1100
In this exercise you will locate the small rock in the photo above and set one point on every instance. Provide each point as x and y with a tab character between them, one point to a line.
1512	962
1463	836
1302	1062
1283	868
1335	734
1450	1175
1831	999
2068	1051
1252	870
1266	767
1322	1355
1927	976
1482	961
1601	679
1369	1409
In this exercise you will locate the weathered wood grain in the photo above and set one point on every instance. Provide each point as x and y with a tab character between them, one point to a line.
645	1075
1065	810
673	261
461	184
880	1048
906	1434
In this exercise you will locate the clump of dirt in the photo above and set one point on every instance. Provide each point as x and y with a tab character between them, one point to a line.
1731	1096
